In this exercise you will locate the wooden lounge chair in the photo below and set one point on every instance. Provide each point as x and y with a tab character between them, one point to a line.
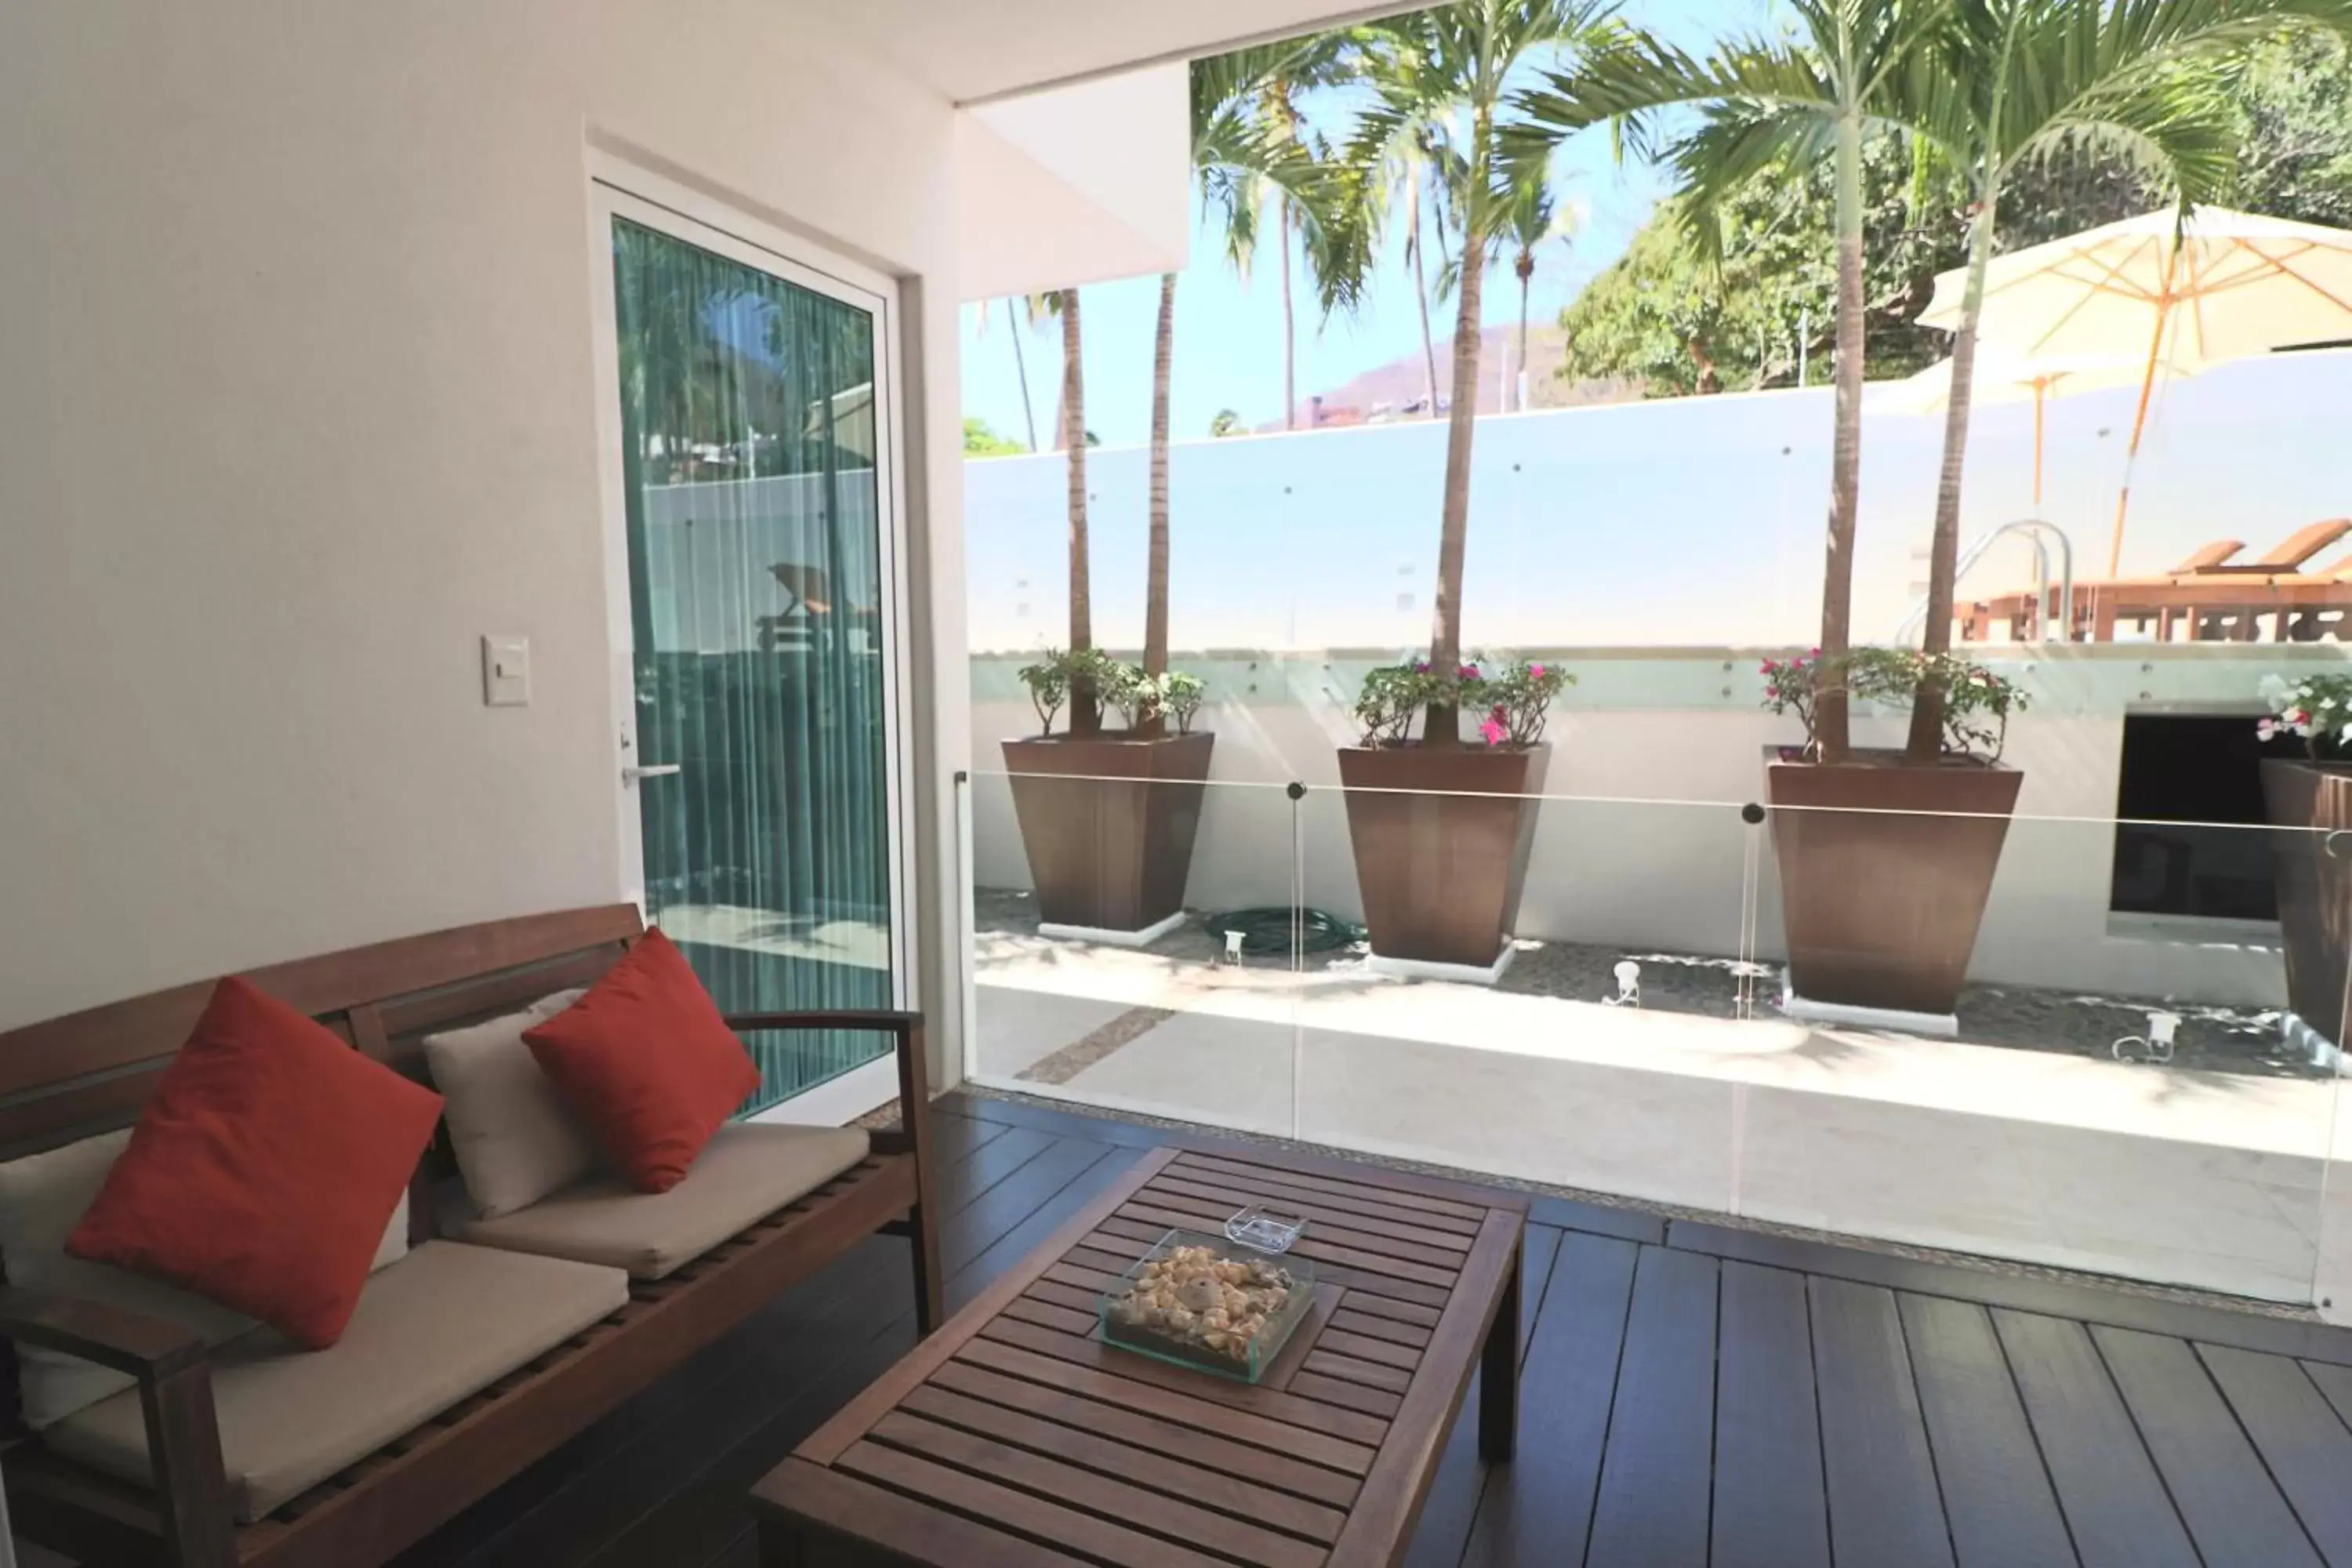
2217	598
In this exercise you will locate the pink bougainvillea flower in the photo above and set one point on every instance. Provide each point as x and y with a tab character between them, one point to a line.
1773	694
2266	729
1536	670
2297	716
1494	732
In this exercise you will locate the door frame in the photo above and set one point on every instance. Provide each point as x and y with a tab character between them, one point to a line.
618	188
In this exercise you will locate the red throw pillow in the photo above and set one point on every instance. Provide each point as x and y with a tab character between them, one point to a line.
262	1171
646	1060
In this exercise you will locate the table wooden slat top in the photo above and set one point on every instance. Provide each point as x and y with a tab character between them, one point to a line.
1014	1434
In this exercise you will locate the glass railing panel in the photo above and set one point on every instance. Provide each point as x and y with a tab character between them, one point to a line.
1102	969
1596	1050
2063	1079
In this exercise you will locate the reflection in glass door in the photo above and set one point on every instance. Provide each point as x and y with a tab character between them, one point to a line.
760	632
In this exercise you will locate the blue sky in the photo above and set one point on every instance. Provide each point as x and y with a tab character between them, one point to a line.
1229	329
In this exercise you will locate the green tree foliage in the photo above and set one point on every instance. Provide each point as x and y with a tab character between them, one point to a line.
1667	316
979	440
1664	315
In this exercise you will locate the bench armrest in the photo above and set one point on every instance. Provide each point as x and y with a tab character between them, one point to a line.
176	1398
913	1135
881	1020
146	1348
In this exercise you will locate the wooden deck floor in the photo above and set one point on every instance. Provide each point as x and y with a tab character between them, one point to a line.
1692	1394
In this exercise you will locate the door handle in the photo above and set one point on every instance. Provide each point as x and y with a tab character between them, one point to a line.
655	770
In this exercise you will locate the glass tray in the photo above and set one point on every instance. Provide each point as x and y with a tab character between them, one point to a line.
1243	1360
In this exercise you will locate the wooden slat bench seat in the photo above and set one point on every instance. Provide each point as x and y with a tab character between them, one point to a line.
69	1078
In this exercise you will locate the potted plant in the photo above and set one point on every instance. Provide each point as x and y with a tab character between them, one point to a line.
2309	800
1108	817
1442	833
1885	866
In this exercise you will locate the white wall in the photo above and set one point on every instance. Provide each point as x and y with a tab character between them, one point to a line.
1076	184
300	401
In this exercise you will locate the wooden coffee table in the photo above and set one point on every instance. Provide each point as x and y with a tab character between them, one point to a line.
1014	1436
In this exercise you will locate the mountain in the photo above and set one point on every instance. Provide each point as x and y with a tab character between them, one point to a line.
1399	390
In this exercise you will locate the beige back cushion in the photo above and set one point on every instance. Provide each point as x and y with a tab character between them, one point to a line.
42	1198
515	1140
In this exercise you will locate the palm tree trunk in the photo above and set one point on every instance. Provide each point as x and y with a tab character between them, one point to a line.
1526	273
1420	285
1020	362
1441	729
1830	726
1926	742
1155	579
1086	713
1289	326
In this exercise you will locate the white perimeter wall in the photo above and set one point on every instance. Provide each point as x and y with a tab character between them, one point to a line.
299	401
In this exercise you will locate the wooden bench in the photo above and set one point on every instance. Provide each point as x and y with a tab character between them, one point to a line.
89	1072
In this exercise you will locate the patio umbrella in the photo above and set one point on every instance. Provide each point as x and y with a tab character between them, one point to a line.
2005	377
2225	285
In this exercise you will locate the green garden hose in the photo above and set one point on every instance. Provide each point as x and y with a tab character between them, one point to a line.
1266	932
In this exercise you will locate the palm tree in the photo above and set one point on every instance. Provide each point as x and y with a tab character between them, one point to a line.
1239	149
1773	101
2017	82
1457	70
1400	172
1085	707
1021	364
1536	215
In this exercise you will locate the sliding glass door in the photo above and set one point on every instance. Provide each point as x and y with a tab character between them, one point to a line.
761	741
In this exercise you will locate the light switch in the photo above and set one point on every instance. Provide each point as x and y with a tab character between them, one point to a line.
506	671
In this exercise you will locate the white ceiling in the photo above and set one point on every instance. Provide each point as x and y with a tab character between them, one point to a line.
975	49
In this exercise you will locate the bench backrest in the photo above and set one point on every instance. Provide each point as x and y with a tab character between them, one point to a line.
91	1071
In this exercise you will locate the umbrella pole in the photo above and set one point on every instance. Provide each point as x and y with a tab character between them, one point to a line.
2139	418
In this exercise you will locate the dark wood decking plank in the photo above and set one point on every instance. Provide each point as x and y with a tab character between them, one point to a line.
1140	1507
954	1139
993	1215
1997	1493
2299	1436
990	1160
2022	1293
1655	1479
1771	1509
1012	1249
2115	1502
1453	1502
1596	1219
1883	1505
1538	1508
1147	1464
2233	1510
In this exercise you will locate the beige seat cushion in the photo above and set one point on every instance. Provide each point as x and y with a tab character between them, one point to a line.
433	1329
515	1140
42	1197
746	1171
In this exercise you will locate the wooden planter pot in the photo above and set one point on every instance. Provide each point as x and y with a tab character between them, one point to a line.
1108	822
1884	882
2315	893
1442	841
